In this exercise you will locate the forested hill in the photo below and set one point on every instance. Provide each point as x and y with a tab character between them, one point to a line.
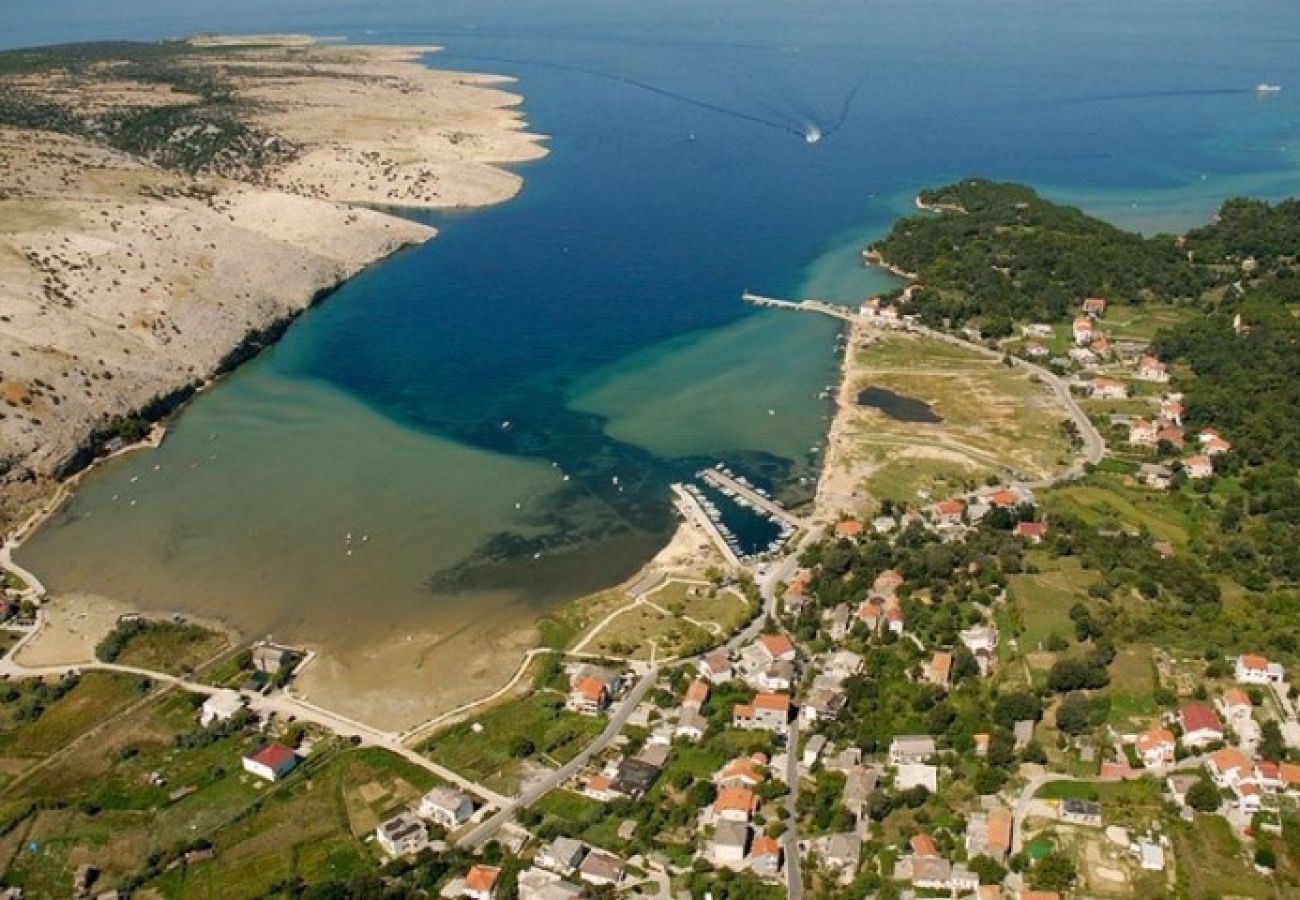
994	253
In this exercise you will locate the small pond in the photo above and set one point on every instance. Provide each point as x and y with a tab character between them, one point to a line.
897	406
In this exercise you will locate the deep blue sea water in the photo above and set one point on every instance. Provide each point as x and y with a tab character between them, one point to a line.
598	314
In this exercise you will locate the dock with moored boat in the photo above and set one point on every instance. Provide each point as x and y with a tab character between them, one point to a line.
738	487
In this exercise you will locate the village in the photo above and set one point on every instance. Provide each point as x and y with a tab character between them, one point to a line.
875	724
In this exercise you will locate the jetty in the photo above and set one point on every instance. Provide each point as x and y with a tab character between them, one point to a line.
694	512
730	484
821	307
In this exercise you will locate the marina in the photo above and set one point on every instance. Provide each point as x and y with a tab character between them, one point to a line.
741	519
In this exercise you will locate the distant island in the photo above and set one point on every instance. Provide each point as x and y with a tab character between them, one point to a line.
166	208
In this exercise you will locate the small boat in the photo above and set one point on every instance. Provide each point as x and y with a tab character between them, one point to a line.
1265	88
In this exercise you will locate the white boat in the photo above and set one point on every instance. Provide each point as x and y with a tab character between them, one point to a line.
1265	88
813	134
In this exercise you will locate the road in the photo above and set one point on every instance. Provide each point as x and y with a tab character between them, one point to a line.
483	833
793	876
1094	447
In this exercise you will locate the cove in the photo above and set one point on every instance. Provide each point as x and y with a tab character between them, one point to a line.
467	405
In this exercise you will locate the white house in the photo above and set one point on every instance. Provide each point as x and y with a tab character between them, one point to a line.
911	748
446	806
1107	389
1155	747
220	707
402	834
1252	668
272	762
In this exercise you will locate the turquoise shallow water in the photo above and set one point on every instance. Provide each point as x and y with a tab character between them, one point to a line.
598	314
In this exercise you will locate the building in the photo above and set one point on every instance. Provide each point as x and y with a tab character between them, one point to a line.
401	835
1094	306
744	771
910	775
982	642
716	668
1230	768
1200	724
1155	747
848	528
697	694
1156	475
812	751
911	748
538	884
1251	668
1033	532
587	697
1198	467
1142	432
887	583
447	807
770	712
1083	331
859	782
220	707
765	856
1151	369
600	867
1213	445
272	762
270	658
735	804
1172	409
776	648
481	882
563	855
691	726
1081	812
1000	825
730	843
940	669
634	777
949	512
1107	389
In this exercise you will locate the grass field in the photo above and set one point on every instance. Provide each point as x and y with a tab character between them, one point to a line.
1132	681
96	697
1212	862
641	629
1043	600
1103	502
565	623
555	734
172	647
704	603
908	476
993	416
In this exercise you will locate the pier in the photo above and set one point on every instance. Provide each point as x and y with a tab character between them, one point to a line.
820	307
729	484
692	511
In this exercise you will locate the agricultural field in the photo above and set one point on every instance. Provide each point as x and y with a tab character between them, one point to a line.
152	785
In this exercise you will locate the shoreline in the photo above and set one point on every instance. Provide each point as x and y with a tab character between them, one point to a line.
321	232
489	133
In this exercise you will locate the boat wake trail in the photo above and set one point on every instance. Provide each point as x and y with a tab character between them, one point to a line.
784	127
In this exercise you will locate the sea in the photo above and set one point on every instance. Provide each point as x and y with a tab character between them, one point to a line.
479	428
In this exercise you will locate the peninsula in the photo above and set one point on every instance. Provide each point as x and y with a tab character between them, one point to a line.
167	208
